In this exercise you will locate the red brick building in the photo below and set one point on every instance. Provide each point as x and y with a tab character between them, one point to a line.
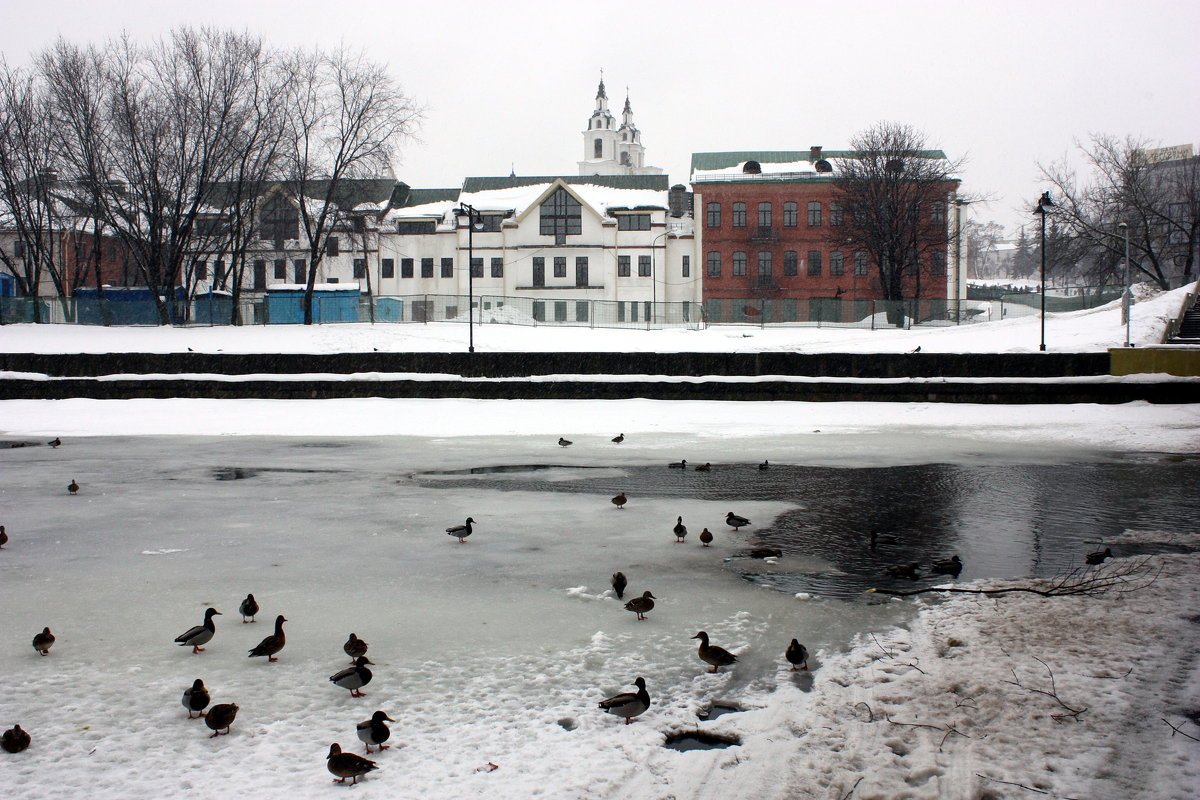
767	225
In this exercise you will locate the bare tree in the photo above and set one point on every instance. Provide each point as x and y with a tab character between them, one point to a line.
29	174
1158	200
347	117
894	190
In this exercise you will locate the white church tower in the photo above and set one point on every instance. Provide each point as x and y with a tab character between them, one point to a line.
609	150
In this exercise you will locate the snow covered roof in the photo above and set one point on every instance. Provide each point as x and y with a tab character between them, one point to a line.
317	287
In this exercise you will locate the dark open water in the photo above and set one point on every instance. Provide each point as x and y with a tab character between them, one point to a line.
1001	520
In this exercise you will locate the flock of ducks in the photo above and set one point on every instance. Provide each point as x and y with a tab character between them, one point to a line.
374	732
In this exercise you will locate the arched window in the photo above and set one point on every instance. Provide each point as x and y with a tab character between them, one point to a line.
625	159
739	215
598	148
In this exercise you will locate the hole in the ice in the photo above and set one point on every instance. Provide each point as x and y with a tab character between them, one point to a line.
322	444
718	710
502	468
699	740
11	445
568	724
233	473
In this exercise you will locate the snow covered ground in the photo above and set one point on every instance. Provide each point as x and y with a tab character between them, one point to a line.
1080	331
498	650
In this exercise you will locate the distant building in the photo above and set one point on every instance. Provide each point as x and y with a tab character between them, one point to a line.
763	223
611	149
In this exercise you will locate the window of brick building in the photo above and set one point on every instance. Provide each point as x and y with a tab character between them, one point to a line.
791	263
790	215
860	263
764	215
814	263
739	263
814	214
835	214
837	263
739	215
712	215
714	265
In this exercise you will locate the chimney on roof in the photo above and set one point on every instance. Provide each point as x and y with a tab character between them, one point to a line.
814	153
676	199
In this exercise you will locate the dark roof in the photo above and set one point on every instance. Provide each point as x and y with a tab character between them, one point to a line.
406	197
658	183
733	158
350	192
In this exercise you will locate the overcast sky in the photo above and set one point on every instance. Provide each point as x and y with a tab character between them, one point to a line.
511	85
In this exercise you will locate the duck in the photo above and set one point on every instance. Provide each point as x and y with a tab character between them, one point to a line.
347	765
735	522
904	570
55	442
680	530
765	552
355	647
272	644
374	732
764	465
461	531
620	437
678	464
220	717
641	605
248	608
620	500
201	634
14	740
354	678
947	566
629	705
877	538
711	654
797	655
73	487
706	537
3	536
1099	556
196	699
705	467
564	442
43	641
619	583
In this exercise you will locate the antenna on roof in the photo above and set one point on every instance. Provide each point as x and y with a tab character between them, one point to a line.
512	170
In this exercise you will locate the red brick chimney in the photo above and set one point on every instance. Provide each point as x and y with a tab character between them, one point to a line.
814	153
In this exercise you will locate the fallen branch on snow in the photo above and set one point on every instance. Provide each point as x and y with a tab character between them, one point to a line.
1121	577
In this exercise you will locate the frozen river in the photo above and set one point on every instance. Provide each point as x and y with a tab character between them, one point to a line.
496	650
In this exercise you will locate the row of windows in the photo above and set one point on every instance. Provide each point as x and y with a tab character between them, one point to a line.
814	262
791	214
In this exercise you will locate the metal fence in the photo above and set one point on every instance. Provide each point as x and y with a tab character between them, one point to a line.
219	309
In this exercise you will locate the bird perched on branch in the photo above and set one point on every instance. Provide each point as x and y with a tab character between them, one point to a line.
272	644
711	654
629	705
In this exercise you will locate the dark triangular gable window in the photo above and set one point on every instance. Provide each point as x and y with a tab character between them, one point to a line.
562	216
278	220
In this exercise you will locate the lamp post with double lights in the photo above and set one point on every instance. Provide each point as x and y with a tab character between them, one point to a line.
1043	208
472	216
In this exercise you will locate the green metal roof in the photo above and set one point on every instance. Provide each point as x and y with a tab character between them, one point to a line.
406	197
708	161
659	183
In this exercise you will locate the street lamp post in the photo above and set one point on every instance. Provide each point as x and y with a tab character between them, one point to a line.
653	264
1127	296
1043	208
958	270
472	216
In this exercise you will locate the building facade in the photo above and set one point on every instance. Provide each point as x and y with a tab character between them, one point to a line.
768	226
